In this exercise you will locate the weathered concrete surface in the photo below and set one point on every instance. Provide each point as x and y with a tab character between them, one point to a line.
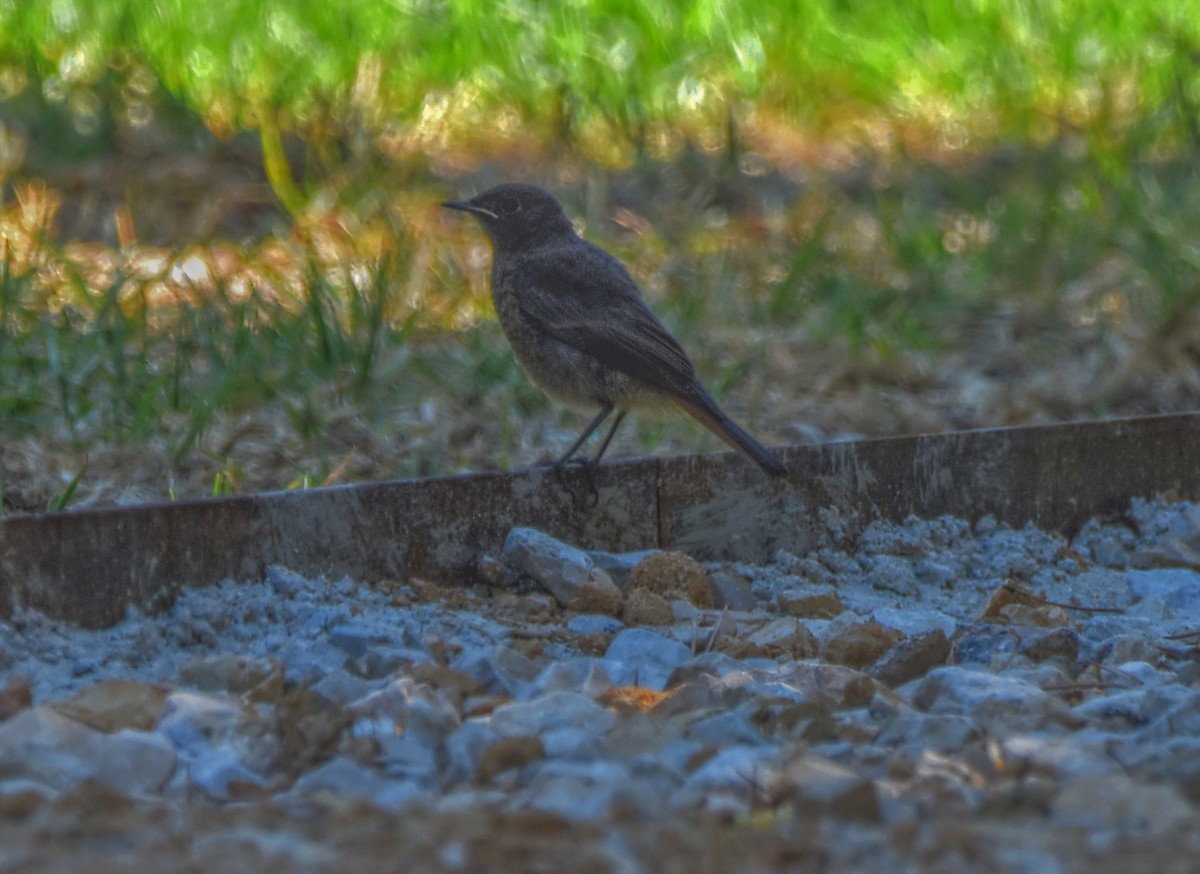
88	566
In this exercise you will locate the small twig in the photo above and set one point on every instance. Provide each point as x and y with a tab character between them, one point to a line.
532	633
1183	635
716	632
1025	593
1082	686
1016	650
1137	681
1190	652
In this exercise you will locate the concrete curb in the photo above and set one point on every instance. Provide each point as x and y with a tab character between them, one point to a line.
88	566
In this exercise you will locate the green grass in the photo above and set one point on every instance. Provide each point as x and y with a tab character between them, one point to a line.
878	272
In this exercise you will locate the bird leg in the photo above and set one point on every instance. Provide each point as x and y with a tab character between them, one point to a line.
587	432
589	465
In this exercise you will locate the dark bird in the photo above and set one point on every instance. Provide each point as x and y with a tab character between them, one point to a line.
578	325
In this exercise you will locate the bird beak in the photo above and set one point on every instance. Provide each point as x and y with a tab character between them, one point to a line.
467	206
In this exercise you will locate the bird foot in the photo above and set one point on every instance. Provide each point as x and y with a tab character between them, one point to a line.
588	468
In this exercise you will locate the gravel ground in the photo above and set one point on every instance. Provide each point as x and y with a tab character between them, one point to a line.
931	696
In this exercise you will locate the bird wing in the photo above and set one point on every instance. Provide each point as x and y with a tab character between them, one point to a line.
585	298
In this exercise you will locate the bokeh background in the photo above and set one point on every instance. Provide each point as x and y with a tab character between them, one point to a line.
224	268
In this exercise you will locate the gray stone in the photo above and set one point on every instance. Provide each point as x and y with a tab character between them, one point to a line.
1165	593
816	786
1109	552
730	591
42	745
859	644
226	673
934	574
561	569
812	602
587	624
354	639
888	537
285	583
1115	803
382	661
221	775
417	708
1039	644
785	637
730	781
20	791
940	732
911	658
619	565
500	669
649	655
321	620
1101	587
1145	673
571	742
729	728
555	710
194	721
984	644
339	687
581	674
407	756
1132	708
496	572
1123	648
345	777
914	622
1175	761
578	790
1081	753
1106	626
698	691
1179	719
997	704
890	573
465	747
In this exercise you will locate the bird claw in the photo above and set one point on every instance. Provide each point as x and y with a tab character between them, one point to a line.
588	468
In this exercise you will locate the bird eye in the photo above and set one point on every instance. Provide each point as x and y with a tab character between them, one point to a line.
509	205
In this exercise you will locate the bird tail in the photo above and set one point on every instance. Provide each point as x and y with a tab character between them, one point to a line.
704	409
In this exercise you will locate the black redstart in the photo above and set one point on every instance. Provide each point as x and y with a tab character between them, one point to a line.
579	326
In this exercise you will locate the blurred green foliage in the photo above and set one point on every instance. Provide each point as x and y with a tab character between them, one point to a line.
961	68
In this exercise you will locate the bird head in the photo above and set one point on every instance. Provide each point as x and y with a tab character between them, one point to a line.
516	215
